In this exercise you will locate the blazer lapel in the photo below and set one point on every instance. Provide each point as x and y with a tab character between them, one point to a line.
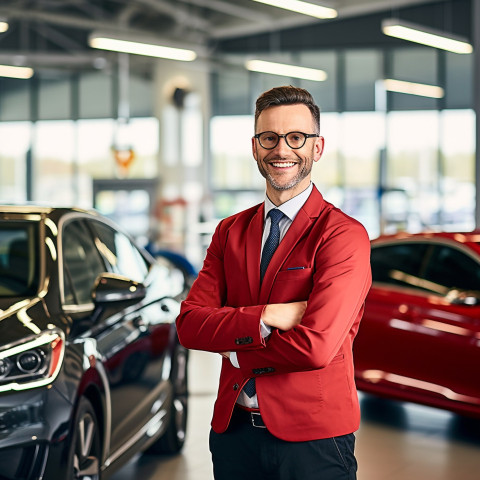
307	214
253	246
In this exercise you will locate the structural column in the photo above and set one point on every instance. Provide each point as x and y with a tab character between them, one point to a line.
476	101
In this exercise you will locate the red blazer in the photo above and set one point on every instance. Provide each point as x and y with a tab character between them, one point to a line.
304	376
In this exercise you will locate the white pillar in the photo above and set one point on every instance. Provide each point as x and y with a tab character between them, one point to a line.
183	152
476	101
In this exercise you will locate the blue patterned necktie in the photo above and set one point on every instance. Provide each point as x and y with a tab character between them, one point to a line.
269	248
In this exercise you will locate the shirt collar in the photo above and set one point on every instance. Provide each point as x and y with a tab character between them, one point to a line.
292	206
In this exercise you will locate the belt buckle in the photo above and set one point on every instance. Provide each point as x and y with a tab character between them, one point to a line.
256	416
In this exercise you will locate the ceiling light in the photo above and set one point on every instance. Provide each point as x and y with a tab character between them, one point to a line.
3	26
285	70
110	42
410	88
302	7
425	36
15	72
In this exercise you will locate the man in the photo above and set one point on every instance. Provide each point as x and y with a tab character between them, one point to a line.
285	316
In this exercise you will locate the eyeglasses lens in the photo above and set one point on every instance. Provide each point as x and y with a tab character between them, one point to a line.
295	139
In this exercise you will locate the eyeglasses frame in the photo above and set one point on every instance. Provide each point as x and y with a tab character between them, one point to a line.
284	136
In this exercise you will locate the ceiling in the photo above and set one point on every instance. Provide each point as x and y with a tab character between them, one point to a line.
53	34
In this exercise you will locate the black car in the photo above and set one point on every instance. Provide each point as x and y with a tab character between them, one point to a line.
91	371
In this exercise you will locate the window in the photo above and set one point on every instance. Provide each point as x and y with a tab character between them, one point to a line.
19	259
398	264
120	253
82	263
53	148
15	139
233	166
451	268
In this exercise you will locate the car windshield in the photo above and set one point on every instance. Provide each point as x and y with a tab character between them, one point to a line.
18	258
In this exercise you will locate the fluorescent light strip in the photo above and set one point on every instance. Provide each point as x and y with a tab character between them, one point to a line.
15	72
285	70
425	36
3	26
302	7
140	48
410	88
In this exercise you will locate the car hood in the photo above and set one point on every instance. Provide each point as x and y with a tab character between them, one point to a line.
21	318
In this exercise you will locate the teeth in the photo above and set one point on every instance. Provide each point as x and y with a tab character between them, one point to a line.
283	164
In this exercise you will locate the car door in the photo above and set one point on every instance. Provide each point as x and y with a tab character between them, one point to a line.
446	324
384	336
136	343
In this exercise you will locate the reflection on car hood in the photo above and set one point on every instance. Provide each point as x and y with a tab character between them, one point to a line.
22	318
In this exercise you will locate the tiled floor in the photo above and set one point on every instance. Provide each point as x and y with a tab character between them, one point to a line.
396	441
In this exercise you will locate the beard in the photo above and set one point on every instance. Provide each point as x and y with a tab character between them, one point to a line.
305	167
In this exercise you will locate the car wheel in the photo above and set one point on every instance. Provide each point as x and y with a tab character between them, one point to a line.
174	437
85	449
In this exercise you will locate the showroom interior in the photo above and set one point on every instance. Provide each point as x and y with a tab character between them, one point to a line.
162	146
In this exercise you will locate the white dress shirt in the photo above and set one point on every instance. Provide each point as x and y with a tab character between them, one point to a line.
290	210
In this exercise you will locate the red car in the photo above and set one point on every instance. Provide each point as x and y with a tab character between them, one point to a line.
419	339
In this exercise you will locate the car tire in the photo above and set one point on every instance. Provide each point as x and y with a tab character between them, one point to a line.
85	448
173	439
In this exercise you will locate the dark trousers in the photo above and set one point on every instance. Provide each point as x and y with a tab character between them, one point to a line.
245	452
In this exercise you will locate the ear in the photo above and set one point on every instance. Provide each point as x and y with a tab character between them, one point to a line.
318	148
254	148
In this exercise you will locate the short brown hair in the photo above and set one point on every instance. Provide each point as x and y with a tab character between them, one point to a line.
287	95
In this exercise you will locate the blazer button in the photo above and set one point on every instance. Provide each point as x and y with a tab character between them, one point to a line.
236	386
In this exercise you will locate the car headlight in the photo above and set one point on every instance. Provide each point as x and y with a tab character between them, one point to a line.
33	362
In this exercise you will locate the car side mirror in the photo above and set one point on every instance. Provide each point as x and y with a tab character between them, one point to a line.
463	297
110	287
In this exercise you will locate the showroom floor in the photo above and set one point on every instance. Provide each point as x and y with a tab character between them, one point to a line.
396	441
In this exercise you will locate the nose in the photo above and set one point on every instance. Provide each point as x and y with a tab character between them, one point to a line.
282	145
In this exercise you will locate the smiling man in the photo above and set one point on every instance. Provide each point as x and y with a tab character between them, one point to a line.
280	297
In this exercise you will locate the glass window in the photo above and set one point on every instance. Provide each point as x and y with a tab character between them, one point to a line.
459	80
362	70
418	65
96	99
54	99
324	93
82	263
233	166
398	264
450	268
54	146
348	171
231	92
19	258
15	140
413	165
141	96
457	145
120	253
15	99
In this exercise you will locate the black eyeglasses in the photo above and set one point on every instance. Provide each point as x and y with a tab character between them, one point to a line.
295	140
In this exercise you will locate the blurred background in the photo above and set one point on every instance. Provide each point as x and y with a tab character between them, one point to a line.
163	146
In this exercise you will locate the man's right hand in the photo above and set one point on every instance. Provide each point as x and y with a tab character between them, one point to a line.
284	316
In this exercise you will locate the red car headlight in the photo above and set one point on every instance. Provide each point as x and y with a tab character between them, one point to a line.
33	362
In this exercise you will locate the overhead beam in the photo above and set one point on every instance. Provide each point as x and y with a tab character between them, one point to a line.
346	9
229	8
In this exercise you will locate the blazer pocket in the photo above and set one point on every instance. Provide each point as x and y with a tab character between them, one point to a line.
293	274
